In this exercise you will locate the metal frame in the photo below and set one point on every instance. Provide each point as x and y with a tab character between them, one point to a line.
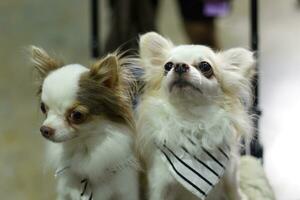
95	29
255	147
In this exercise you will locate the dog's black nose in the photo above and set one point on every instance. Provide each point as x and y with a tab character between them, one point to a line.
47	132
181	68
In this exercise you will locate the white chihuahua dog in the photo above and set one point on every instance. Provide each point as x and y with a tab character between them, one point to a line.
90	125
191	117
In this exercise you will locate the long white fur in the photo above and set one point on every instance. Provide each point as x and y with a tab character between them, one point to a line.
91	150
217	114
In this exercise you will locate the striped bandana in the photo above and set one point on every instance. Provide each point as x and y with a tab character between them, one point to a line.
197	173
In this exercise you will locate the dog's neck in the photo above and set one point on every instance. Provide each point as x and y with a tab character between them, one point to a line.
90	141
84	143
208	121
204	111
77	154
192	108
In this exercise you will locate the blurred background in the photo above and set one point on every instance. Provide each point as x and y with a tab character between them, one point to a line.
63	28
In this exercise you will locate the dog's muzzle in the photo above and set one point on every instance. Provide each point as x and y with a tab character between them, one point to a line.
181	68
182	83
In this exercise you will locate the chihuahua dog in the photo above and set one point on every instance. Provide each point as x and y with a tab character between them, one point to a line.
90	126
191	117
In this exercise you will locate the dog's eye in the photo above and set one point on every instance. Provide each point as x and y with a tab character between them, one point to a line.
168	66
206	69
77	117
43	108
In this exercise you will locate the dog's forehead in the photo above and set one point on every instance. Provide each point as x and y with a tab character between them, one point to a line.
61	86
191	53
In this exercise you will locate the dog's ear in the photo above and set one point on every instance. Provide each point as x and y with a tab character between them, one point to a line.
239	61
154	48
106	71
42	62
238	66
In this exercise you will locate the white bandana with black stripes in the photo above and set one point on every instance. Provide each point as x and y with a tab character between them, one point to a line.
197	173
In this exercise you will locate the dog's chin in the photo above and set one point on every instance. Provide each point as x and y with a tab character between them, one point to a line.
181	85
62	139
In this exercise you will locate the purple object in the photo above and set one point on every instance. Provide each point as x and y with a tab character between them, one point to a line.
216	8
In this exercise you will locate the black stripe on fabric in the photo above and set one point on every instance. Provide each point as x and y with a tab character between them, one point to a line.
205	165
91	196
212	157
221	150
191	141
184	178
227	146
85	182
189	167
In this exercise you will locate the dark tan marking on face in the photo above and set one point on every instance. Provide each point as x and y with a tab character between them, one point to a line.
77	114
105	90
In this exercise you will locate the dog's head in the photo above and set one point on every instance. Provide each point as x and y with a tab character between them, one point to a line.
195	73
76	99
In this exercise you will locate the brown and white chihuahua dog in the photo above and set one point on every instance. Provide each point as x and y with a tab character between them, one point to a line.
195	101
90	126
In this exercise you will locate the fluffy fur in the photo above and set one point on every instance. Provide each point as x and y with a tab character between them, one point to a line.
90	125
211	109
253	180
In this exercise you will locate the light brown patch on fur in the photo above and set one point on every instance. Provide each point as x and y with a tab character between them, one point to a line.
153	85
106	89
43	64
106	70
